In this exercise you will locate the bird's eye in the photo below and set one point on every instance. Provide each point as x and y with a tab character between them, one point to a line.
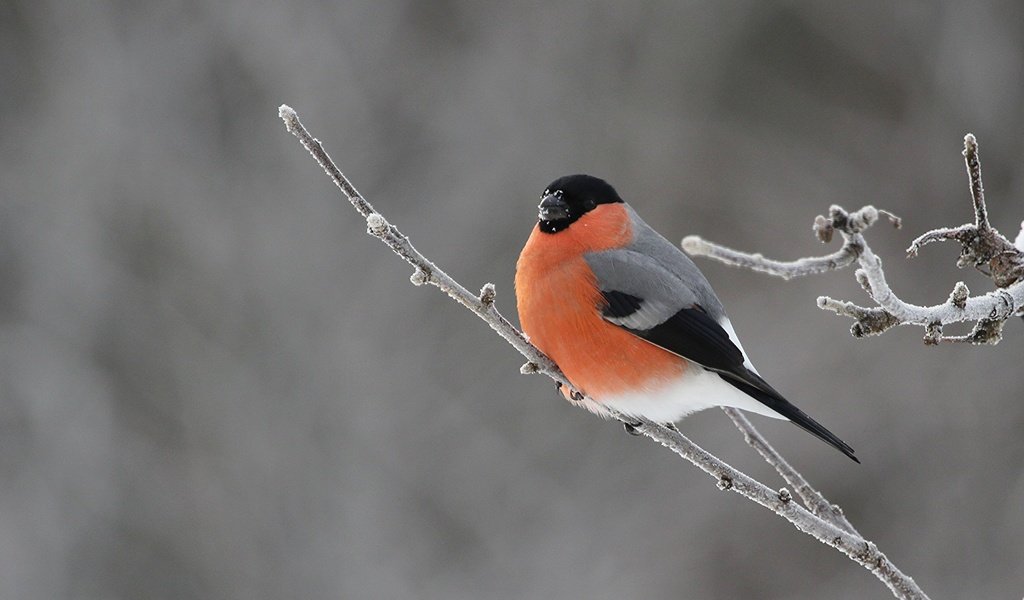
589	204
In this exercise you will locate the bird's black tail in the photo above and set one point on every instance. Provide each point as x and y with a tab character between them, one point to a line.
765	394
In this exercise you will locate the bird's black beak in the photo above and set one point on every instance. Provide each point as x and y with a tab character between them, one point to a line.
552	208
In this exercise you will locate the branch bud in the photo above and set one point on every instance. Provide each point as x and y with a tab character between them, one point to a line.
862	279
487	294
419	277
862	219
823	229
376	224
959	296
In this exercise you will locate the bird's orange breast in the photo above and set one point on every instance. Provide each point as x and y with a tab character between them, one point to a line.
560	305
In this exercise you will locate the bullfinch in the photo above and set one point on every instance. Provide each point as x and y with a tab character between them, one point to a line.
629	318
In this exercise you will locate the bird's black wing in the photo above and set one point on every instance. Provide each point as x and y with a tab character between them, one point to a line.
692	334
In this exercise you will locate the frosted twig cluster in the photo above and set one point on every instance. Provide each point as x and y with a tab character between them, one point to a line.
821	519
982	247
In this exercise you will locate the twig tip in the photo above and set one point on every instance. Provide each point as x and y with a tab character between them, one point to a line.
290	117
896	221
692	244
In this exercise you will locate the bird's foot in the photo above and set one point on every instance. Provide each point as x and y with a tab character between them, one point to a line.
631	428
569	394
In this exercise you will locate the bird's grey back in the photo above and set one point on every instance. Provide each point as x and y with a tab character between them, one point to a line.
655	270
650	243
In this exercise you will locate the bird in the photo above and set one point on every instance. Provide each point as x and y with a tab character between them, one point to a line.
629	319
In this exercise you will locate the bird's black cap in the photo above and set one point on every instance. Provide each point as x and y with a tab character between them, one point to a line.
568	198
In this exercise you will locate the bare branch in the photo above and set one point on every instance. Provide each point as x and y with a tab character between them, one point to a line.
982	247
847	224
831	528
815	501
863	552
998	305
424	270
801	267
960	234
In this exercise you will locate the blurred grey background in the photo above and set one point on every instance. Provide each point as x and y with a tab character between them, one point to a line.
215	385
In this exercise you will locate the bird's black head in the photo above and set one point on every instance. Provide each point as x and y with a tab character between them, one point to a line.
569	198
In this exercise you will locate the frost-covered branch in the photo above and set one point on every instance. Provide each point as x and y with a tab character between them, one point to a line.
851	544
825	523
815	501
982	245
847	224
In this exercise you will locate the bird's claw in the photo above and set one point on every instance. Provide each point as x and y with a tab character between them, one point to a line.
572	395
631	428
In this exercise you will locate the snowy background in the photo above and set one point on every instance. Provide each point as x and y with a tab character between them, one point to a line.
213	384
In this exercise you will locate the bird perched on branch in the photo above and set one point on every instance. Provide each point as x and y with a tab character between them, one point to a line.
629	318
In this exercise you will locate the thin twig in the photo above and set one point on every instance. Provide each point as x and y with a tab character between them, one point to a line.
853	545
425	271
800	267
849	225
974	174
815	501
